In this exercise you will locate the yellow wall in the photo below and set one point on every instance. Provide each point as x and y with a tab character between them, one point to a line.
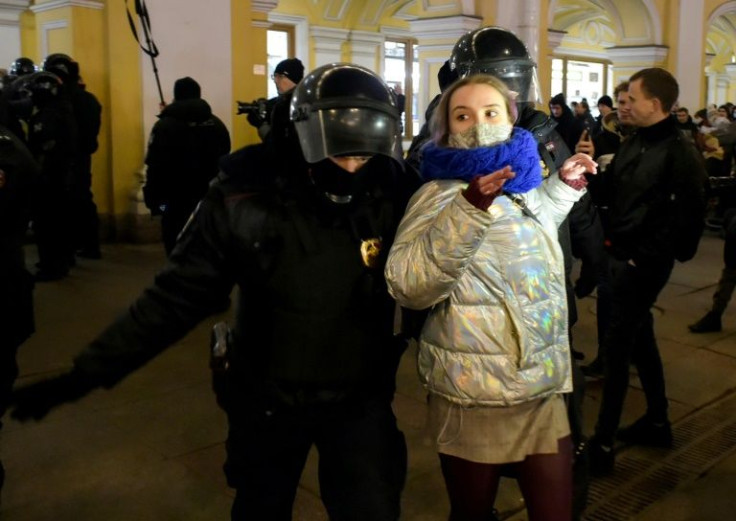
122	132
248	50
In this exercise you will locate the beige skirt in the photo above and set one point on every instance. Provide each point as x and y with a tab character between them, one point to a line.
498	434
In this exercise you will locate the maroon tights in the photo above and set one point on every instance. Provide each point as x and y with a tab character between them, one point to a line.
545	481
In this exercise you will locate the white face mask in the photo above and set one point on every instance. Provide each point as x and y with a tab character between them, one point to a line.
480	135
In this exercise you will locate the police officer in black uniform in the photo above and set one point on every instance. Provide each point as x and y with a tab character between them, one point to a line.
312	358
18	175
87	117
499	52
52	139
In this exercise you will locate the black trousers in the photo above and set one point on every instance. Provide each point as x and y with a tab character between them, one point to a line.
630	337
85	220
173	220
362	458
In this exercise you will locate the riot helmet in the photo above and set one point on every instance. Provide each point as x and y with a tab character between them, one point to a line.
22	66
41	87
500	53
63	66
344	109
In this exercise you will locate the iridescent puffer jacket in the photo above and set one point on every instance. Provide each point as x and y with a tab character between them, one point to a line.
496	334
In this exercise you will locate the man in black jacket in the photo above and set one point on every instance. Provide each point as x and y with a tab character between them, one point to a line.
655	191
312	358
185	146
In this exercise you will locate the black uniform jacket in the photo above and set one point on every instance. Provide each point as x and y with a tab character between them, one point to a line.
18	182
313	310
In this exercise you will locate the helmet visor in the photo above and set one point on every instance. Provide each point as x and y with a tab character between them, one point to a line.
519	76
346	131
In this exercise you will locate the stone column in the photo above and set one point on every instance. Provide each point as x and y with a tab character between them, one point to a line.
690	52
365	47
327	44
10	11
628	60
523	19
435	39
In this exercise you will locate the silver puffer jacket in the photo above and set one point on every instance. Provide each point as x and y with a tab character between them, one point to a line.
497	331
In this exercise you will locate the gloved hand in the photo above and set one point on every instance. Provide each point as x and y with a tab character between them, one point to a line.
34	401
482	190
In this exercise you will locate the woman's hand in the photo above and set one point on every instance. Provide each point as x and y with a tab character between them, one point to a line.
576	166
482	190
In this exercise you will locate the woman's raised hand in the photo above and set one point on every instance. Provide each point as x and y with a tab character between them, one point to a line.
483	189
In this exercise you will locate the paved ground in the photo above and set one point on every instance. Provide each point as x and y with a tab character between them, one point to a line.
152	448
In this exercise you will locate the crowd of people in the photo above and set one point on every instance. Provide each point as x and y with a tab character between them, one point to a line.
326	226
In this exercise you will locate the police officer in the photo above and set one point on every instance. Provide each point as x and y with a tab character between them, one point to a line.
312	358
87	117
12	101
52	138
18	174
183	152
499	52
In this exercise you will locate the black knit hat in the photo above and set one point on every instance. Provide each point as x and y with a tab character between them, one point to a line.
559	99
292	68
605	100
186	88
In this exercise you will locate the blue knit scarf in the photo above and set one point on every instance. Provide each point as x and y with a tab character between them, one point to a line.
520	152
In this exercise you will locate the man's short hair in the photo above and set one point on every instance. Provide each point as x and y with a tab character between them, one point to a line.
621	87
658	83
683	109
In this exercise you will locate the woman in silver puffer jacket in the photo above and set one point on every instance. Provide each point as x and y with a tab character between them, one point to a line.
478	245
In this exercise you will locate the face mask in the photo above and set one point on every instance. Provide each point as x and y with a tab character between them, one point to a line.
338	184
481	135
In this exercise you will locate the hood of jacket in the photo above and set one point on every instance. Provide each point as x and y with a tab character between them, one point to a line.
196	110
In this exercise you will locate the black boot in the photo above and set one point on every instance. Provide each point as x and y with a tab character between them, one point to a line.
710	323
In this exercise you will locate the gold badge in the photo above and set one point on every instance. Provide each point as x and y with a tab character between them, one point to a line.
370	249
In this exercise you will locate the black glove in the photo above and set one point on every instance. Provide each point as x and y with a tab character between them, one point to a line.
34	401
476	197
255	118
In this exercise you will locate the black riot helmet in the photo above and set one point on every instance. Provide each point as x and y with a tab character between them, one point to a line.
22	66
41	87
500	53
344	109
63	66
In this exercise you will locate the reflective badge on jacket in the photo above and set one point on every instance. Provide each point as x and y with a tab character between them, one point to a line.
370	249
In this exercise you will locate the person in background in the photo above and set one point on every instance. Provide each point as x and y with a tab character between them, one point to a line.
87	116
605	107
568	126
473	233
185	146
711	321
650	224
287	74
585	118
